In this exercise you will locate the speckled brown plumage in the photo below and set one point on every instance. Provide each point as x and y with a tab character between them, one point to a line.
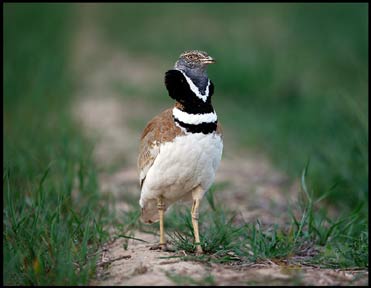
160	129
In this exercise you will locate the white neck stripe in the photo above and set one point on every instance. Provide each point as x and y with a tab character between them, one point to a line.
194	119
195	89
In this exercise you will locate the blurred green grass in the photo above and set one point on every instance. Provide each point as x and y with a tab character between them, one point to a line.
291	79
49	235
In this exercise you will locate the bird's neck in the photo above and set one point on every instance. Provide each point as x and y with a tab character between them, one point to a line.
197	75
205	122
200	86
194	108
196	114
200	101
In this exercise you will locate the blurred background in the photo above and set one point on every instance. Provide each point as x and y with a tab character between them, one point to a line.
291	82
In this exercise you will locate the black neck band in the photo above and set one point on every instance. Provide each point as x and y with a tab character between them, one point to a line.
205	128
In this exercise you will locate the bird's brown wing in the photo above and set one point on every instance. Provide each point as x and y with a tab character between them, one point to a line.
160	129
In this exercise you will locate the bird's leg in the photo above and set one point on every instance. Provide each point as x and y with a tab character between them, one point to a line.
196	204
161	207
162	245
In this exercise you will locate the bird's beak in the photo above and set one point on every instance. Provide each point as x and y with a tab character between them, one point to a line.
208	60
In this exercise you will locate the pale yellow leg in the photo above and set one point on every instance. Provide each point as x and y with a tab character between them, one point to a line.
196	204
161	207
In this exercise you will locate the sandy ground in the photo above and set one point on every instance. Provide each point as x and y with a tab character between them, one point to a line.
104	117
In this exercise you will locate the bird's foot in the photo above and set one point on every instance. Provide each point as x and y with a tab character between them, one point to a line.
162	247
199	250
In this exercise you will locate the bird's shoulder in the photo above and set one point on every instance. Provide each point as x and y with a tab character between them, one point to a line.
159	130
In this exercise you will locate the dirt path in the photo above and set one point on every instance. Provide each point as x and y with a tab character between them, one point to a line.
104	117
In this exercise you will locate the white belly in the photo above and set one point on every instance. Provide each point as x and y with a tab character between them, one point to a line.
182	165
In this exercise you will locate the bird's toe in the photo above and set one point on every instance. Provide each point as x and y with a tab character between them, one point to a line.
162	247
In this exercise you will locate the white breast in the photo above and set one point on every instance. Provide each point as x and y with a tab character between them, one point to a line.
181	165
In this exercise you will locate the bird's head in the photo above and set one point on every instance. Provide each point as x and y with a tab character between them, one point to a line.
193	59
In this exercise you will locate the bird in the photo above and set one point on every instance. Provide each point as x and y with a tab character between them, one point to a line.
180	148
